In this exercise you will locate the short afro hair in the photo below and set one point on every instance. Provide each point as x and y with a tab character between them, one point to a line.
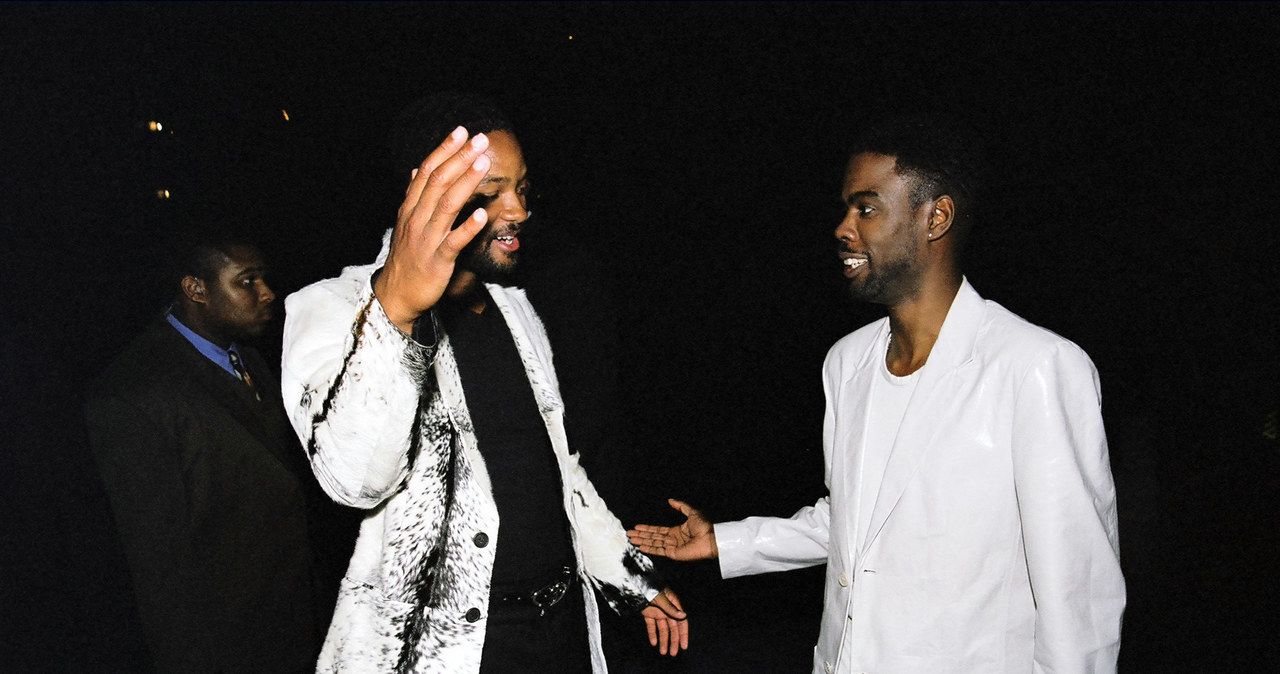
938	155
426	122
205	255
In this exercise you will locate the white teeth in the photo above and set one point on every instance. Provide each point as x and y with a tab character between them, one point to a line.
854	262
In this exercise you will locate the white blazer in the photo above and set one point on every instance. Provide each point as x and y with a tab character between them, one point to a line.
992	546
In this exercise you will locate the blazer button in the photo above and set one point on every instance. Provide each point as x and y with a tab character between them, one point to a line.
829	668
843	580
481	539
473	615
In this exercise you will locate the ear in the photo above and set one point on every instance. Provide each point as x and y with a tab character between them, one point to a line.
193	288
941	216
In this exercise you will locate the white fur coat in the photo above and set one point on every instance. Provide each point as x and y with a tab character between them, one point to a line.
386	428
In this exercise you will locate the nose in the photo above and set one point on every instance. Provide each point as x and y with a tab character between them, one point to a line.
845	230
266	295
513	209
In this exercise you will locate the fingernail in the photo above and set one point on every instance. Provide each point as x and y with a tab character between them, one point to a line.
480	141
413	174
481	163
458	134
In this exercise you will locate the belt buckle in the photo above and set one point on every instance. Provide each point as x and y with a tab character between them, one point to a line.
550	595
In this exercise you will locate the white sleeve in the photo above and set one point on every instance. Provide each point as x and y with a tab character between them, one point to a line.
623	575
352	382
1066	500
765	544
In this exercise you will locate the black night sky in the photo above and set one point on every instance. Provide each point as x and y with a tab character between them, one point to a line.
686	159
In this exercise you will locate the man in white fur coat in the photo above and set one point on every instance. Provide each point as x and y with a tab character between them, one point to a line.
425	393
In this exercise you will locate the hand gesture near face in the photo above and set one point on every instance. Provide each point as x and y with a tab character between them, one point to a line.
424	247
695	539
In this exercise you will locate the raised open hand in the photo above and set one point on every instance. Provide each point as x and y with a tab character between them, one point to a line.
424	247
695	539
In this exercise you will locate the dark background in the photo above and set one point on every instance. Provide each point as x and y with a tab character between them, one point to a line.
687	161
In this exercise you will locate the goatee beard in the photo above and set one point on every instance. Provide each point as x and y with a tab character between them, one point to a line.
480	262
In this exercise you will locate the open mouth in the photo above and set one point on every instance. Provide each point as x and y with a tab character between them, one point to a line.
853	262
508	241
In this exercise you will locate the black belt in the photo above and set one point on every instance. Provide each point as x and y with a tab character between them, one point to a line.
542	598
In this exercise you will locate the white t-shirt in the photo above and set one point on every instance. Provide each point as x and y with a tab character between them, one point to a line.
888	404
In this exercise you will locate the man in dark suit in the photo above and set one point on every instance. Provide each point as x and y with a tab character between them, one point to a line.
212	496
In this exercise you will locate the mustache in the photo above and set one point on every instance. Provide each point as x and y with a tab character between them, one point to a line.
509	229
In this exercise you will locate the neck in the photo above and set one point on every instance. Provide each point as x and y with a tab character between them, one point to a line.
914	324
467	292
196	324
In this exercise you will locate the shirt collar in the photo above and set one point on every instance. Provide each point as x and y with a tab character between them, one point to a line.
213	352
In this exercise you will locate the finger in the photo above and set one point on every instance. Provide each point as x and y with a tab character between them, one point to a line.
684	508
651	540
675	601
673	643
684	634
650	624
663	633
651	529
458	239
663	601
650	549
641	542
446	206
648	533
418	177
448	187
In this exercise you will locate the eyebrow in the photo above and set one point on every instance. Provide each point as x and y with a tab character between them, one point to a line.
501	180
252	270
860	195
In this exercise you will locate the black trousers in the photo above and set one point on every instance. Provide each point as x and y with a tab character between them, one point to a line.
517	640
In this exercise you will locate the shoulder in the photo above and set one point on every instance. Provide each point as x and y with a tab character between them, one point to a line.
853	346
149	369
1006	336
346	288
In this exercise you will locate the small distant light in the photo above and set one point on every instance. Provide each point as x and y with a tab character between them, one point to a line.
155	126
570	37
286	114
162	194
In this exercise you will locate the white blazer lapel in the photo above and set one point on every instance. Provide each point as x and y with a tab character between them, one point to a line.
938	385
850	403
915	438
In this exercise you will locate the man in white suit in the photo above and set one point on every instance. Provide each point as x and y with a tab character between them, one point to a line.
970	524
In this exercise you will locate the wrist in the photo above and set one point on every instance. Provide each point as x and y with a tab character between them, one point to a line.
402	318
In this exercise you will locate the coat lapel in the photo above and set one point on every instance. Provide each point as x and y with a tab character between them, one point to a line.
234	398
852	402
939	383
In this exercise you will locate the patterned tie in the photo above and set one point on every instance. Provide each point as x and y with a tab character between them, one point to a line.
243	373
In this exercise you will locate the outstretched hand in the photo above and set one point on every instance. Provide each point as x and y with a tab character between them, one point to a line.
695	539
667	623
424	247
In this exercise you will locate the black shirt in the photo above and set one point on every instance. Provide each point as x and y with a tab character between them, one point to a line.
533	534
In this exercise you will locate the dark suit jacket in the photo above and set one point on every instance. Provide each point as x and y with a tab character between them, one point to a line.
211	494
